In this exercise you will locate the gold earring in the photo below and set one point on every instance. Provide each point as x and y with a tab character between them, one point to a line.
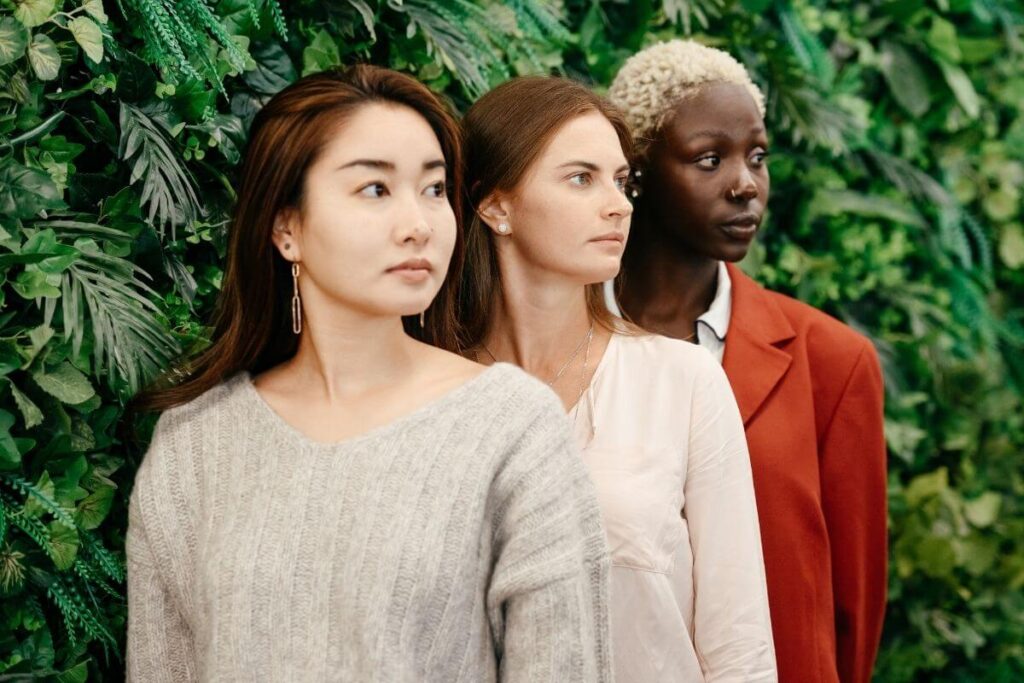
423	316
296	303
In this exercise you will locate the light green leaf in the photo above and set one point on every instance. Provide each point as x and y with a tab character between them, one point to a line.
33	284
962	88
1011	245
95	10
88	34
927	485
34	12
65	383
94	509
63	545
320	54
942	38
13	40
29	410
44	58
983	510
907	81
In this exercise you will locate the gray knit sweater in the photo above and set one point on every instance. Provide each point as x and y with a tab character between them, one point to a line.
459	543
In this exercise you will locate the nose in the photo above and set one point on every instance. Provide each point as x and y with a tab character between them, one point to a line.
411	224
617	205
744	187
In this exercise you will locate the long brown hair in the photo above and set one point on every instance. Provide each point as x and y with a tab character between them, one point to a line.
504	132
252	325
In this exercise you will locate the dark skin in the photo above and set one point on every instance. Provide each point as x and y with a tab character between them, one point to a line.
705	187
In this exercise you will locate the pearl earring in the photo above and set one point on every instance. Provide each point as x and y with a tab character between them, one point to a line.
503	228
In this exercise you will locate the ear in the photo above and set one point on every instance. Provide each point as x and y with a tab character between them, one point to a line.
494	211
286	233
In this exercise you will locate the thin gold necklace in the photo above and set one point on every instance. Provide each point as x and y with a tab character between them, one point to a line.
565	366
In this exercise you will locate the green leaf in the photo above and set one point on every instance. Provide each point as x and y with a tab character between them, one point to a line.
10	456
927	485
79	673
63	547
94	509
9	358
33	284
320	54
983	510
95	10
65	382
88	35
44	58
34	12
908	83
1011	245
26	192
29	411
13	40
842	202
962	88
274	70
942	38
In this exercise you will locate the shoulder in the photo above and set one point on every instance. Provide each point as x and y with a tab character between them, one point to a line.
179	437
653	357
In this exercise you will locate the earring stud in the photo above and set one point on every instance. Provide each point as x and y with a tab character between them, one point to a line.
503	228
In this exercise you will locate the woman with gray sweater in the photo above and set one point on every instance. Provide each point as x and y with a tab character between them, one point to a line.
326	495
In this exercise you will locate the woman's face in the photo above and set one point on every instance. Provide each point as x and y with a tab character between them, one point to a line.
706	182
375	231
569	215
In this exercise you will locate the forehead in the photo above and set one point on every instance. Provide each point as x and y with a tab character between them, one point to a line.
724	107
384	131
587	137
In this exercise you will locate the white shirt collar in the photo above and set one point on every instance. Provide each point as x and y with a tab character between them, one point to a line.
716	318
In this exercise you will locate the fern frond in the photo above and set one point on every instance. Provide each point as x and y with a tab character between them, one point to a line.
683	12
18	483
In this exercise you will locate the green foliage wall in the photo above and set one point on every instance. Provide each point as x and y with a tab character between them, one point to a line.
898	144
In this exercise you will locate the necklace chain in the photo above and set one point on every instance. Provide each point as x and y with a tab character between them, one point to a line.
565	366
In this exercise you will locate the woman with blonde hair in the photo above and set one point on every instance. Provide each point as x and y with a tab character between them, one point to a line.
547	167
809	388
327	497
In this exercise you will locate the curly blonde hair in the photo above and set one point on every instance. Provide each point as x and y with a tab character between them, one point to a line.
653	81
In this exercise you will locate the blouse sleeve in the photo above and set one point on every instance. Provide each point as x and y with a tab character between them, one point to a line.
732	625
548	596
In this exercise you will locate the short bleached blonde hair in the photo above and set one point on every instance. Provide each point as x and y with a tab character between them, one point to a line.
655	80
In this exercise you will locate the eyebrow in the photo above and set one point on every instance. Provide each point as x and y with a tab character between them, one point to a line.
719	134
380	164
591	167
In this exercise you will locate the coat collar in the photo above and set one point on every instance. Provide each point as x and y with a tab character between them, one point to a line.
754	361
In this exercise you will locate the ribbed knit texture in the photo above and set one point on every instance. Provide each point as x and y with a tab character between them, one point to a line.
459	543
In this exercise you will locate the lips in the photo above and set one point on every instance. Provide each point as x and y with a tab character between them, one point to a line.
610	237
742	226
411	265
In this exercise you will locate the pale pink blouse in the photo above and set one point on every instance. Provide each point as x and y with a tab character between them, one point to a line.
662	436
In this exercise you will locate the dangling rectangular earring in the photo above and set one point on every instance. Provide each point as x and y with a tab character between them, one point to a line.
423	315
296	303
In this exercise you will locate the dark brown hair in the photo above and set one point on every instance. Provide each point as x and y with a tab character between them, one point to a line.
504	133
252	325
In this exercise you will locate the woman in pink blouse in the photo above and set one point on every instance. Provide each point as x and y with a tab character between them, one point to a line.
547	170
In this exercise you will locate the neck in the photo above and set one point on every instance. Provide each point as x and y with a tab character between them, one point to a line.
343	353
669	286
539	320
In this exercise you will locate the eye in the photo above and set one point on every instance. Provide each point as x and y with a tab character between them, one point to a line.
622	182
709	162
437	189
758	158
580	179
374	190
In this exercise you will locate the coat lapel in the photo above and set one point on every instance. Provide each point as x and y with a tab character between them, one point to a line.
753	360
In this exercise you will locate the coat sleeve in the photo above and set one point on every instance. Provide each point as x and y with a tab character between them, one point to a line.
547	600
732	629
853	485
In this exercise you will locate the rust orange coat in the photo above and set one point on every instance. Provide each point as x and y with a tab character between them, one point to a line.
810	392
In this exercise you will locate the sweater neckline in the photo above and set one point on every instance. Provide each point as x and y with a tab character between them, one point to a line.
253	395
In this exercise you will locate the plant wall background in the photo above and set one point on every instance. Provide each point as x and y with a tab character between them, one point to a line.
898	166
